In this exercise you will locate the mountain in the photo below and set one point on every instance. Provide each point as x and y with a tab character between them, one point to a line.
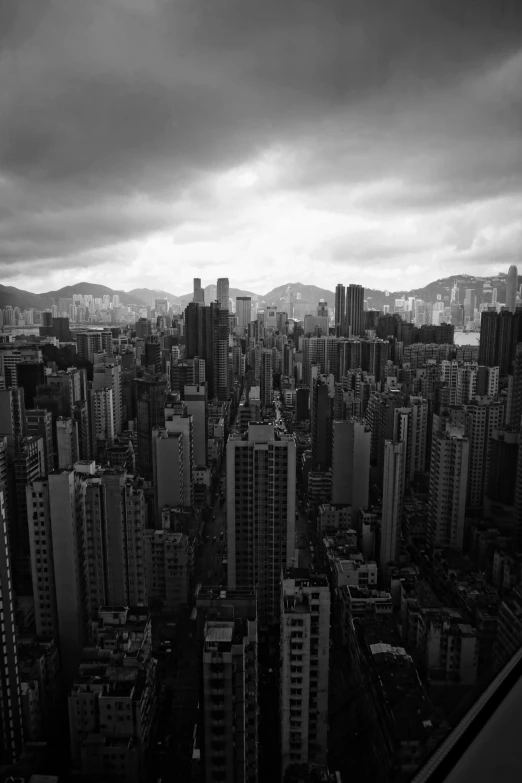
376	299
22	299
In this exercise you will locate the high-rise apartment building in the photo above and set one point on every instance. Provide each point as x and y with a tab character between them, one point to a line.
42	561
223	293
305	652
11	721
199	293
511	289
102	420
483	417
167	567
448	485
321	423
261	475
392	502
195	398
514	412
230	700
150	405
107	375
67	442
266	378
502	474
40	422
350	464
67	557
173	460
340	304
243	310
354	310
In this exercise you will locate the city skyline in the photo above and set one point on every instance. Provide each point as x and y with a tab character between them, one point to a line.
316	141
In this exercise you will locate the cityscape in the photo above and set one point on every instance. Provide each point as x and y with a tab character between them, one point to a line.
254	537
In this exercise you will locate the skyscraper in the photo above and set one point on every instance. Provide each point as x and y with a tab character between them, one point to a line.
261	475
321	423
223	293
230	700
340	304
350	464
243	310
266	378
392	501
483	416
448	484
150	403
305	652
354	310
11	723
511	289
199	293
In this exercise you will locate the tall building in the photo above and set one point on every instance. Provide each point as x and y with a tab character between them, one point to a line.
514	412
199	293
511	289
304	652
266	378
354	310
483	417
167	566
223	293
102	420
11	720
448	486
392	503
29	464
40	422
195	398
67	442
150	405
261	476
42	562
340	304
173	460
502	475
350	464
230	700
207	337
321	423
66	554
243	310
107	375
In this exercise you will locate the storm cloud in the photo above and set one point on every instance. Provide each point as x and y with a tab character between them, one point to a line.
152	139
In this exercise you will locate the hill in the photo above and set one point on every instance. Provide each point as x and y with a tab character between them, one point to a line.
376	299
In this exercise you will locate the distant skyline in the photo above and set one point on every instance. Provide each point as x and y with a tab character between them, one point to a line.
145	143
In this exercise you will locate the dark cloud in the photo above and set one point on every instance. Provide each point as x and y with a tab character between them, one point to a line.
107	100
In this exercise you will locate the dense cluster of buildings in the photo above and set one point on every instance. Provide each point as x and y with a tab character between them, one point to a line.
399	452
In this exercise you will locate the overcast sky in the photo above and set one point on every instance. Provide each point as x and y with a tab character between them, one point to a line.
145	142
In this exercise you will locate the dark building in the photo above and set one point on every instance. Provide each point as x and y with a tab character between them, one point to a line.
29	376
150	409
499	335
321	425
151	356
206	335
354	310
61	330
340	306
503	466
40	422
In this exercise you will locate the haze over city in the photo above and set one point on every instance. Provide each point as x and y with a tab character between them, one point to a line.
146	142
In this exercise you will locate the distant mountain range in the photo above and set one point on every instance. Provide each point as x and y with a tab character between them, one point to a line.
308	293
